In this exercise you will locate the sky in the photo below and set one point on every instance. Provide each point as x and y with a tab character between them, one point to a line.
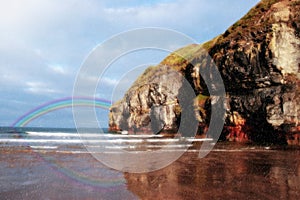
43	44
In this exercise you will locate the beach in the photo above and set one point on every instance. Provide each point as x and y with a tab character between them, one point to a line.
230	171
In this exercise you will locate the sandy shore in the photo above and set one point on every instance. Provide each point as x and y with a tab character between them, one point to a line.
26	174
234	172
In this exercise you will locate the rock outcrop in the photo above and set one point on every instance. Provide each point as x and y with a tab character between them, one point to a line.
259	60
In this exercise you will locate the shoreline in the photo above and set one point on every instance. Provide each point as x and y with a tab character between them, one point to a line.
26	174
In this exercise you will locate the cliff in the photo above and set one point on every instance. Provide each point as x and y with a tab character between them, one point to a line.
258	59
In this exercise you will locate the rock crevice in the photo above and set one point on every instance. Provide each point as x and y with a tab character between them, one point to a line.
259	61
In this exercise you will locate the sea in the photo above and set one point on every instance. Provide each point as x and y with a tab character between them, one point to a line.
60	163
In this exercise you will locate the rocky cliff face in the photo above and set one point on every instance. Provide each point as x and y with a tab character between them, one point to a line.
259	61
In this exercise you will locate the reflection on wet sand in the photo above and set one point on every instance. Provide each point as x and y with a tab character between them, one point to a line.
230	173
29	175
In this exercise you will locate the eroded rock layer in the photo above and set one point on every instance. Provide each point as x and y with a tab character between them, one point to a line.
259	61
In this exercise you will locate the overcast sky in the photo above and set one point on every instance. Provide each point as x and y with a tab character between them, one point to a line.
44	42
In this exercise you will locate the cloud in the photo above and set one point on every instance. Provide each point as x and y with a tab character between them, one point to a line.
109	81
58	69
193	17
40	88
44	43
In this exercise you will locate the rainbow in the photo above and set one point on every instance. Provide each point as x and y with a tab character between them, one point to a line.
104	182
60	104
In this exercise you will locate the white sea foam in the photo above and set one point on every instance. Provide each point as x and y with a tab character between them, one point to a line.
61	134
198	139
70	141
65	138
109	135
59	142
116	150
44	147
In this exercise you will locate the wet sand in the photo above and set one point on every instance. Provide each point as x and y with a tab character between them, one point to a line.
25	174
229	172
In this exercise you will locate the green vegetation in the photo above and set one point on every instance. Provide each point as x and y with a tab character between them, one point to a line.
202	97
179	59
142	79
255	13
250	20
209	44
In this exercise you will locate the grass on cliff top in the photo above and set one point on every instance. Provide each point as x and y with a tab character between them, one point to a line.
145	76
178	60
209	44
248	22
257	11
